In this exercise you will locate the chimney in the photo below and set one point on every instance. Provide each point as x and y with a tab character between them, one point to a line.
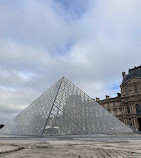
119	94
97	99
107	96
123	74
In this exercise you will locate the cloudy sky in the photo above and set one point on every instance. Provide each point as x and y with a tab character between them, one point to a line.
88	41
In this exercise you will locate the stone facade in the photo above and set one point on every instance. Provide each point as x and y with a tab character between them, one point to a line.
127	105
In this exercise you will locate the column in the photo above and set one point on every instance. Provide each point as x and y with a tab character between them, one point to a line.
132	121
135	122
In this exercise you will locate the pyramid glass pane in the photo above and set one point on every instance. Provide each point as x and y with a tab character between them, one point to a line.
65	109
32	120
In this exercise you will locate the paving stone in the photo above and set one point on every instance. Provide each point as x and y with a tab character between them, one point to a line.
8	148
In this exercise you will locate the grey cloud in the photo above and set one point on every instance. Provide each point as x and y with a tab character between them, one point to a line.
14	100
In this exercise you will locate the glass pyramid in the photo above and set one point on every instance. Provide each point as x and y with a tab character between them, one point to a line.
64	109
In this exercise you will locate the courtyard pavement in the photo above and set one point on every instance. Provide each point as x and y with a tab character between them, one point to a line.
19	147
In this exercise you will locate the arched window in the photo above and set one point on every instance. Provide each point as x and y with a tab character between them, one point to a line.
135	89
138	108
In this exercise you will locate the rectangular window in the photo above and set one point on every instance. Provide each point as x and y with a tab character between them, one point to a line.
126	91
136	89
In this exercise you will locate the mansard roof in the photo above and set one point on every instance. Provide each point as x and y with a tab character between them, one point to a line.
135	72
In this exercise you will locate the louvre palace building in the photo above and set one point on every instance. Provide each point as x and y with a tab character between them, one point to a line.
127	105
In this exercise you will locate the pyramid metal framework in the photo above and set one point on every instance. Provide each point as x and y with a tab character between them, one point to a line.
64	109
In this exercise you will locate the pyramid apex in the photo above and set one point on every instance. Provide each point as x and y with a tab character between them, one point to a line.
63	77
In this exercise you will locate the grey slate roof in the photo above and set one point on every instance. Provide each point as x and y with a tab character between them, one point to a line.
136	73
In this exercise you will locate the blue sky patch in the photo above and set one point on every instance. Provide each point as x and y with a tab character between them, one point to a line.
76	8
